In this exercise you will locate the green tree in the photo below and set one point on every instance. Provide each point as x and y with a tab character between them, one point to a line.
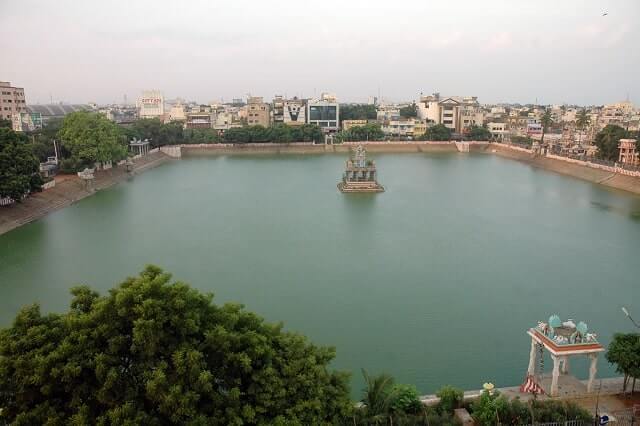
19	168
478	133
90	137
193	136
368	132
147	128
378	396
156	352
624	352
6	124
607	141
582	121
409	111
439	132
358	112
547	121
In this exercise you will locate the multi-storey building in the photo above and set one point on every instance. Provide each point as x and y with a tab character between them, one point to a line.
401	127
324	112
258	112
457	113
151	104
11	100
200	117
499	131
294	112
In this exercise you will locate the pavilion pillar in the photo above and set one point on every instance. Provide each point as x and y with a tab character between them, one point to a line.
565	365
593	369
532	359
555	374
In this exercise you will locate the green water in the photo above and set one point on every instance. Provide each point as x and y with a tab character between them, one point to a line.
434	281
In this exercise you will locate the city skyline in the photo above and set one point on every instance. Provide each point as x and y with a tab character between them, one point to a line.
501	52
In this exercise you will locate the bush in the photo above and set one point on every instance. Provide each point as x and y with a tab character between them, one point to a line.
71	165
450	398
406	399
491	409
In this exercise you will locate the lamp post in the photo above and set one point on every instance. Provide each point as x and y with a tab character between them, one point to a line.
626	312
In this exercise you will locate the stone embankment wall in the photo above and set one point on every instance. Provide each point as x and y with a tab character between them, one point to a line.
613	177
311	148
67	190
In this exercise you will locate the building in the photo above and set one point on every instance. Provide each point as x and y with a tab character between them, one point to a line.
419	128
401	127
258	112
499	131
178	112
12	100
200	117
151	104
387	113
26	122
348	124
50	112
294	112
121	114
455	112
324	112
628	154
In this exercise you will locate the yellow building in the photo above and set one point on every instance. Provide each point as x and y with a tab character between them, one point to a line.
348	124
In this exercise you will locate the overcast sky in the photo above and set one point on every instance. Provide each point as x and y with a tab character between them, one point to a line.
501	51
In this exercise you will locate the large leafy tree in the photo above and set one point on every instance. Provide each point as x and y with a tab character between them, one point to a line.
357	112
18	166
367	132
478	133
607	141
439	132
91	137
409	111
156	352
624	352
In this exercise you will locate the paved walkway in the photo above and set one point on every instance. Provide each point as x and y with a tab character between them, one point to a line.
68	190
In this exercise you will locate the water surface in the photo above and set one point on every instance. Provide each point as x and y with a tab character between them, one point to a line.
434	281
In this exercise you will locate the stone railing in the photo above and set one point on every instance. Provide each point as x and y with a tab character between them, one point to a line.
612	169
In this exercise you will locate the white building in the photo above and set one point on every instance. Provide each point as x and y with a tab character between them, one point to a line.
324	112
499	131
399	127
151	104
294	112
455	112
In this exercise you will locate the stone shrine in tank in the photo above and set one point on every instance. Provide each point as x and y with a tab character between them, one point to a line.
360	174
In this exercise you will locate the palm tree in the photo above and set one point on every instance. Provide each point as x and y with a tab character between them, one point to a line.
378	395
582	121
546	122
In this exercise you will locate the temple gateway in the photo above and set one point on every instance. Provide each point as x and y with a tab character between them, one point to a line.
360	174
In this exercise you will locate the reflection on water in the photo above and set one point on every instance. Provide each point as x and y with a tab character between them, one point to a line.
632	211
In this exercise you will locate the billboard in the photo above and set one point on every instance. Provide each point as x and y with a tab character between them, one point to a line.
26	122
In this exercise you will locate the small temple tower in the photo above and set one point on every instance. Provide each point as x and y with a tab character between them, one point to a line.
360	175
628	153
562	340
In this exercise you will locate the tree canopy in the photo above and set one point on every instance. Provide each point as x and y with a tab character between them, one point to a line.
478	133
409	111
439	132
279	133
19	168
607	141
357	112
91	137
624	352
367	132
157	352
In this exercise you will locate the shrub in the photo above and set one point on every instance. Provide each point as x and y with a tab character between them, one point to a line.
405	399
450	398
